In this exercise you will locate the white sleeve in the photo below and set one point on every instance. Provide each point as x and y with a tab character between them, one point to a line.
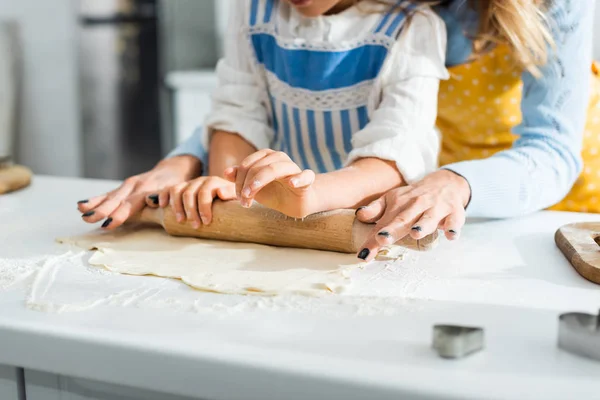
403	109
239	104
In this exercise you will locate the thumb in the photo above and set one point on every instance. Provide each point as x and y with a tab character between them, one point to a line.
372	212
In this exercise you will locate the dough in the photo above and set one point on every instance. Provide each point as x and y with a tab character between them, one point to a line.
217	266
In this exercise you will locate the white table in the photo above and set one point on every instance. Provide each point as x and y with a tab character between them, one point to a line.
506	276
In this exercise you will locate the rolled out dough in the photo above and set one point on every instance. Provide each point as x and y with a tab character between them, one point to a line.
216	266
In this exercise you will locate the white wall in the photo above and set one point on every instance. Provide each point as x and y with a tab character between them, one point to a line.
48	134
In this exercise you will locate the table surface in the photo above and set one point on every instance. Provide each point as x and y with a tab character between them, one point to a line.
506	276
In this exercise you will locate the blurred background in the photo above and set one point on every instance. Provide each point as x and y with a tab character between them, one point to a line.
104	88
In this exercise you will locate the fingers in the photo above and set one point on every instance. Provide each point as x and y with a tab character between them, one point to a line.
373	212
396	223
87	205
453	224
246	165
190	202
100	207
176	201
261	176
226	192
126	208
205	201
427	224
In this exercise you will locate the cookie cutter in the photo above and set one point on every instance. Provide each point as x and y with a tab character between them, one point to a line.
454	341
579	333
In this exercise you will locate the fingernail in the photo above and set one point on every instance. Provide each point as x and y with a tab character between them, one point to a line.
83	201
364	253
255	184
294	182
359	209
107	222
385	234
180	217
89	214
417	228
205	220
246	192
195	225
154	198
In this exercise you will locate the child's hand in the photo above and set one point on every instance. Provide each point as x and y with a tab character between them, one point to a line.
275	181
193	200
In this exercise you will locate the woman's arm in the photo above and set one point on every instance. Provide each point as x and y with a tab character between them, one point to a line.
541	167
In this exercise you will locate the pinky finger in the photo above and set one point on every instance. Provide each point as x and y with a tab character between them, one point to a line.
453	224
303	179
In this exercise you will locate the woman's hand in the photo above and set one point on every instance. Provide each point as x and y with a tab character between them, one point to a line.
193	200
275	181
436	202
117	206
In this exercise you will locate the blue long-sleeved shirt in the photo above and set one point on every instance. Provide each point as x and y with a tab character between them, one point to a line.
543	164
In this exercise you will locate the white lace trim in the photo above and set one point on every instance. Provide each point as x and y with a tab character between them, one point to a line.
328	100
301	44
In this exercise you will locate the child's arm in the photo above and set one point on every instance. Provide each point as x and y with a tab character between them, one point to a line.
226	150
399	145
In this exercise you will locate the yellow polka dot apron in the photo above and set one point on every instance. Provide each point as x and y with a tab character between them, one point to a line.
480	105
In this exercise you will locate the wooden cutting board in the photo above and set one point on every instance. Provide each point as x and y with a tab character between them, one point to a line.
580	243
13	178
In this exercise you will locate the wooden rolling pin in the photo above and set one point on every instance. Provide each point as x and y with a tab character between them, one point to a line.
337	231
13	178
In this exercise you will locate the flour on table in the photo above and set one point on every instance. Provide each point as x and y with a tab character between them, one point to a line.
215	266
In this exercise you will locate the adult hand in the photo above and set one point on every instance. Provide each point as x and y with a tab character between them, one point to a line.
116	206
436	202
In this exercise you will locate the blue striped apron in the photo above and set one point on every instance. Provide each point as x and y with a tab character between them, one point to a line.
318	93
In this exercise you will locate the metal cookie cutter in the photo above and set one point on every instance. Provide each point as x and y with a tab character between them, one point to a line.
579	333
453	341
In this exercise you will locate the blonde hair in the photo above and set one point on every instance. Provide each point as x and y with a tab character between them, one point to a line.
520	24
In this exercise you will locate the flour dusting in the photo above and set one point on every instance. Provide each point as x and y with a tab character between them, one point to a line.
67	283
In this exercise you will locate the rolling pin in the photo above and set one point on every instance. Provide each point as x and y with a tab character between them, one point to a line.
14	177
337	230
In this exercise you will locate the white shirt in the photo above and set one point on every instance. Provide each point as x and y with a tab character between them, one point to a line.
402	101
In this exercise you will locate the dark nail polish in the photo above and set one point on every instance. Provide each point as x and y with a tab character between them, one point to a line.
359	209
89	214
417	228
107	222
154	198
385	234
452	231
83	201
364	253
